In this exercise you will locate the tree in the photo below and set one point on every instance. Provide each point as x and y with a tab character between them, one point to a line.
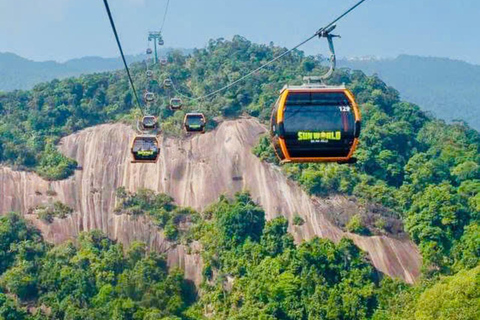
55	166
453	298
434	220
240	220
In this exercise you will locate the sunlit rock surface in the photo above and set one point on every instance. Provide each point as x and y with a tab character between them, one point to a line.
194	172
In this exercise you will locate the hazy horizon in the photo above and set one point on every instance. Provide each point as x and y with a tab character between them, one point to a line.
368	57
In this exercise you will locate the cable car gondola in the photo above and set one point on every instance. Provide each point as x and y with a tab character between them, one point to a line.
163	61
167	83
149	51
149	74
145	149
161	42
315	124
175	104
149	123
194	122
149	97
310	123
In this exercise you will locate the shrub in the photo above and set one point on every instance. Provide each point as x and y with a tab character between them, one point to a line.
356	225
298	221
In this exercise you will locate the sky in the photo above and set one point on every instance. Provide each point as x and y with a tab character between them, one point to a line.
65	29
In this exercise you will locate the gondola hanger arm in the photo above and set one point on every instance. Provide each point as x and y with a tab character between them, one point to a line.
326	33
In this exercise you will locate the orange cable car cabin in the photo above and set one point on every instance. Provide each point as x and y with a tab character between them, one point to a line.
315	124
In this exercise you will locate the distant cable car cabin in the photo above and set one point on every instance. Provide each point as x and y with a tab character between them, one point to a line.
194	122
315	124
149	123
149	74
149	51
167	83
161	42
145	149
163	61
175	104
149	97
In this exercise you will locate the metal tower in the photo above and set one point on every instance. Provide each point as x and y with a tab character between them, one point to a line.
156	36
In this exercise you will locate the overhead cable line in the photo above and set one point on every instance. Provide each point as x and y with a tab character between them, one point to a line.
319	33
112	23
165	15
341	16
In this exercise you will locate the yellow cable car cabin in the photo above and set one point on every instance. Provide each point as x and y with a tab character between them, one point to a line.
194	122
145	149
315	124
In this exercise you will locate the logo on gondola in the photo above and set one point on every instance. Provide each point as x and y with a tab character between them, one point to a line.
323	135
145	153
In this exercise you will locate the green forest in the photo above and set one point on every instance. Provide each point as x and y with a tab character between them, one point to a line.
418	169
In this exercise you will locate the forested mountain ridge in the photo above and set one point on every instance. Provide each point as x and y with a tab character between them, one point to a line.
447	88
17	73
435	84
425	171
23	74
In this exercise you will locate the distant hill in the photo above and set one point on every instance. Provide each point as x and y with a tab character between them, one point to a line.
20	73
450	89
447	88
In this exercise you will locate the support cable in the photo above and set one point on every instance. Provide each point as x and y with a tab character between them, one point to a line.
112	23
322	32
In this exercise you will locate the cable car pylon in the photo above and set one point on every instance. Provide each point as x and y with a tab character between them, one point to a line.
156	37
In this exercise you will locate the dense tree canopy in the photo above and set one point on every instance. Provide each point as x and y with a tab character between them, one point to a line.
263	275
93	279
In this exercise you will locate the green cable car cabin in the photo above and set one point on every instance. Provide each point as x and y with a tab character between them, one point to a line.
176	104
167	83
149	97
194	122
145	149
315	124
149	123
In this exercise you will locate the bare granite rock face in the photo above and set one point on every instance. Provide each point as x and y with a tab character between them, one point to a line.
194	172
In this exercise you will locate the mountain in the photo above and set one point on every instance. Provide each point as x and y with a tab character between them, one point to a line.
20	73
394	236
194	179
447	88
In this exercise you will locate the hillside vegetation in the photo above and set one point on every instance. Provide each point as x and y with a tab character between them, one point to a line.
420	169
252	270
